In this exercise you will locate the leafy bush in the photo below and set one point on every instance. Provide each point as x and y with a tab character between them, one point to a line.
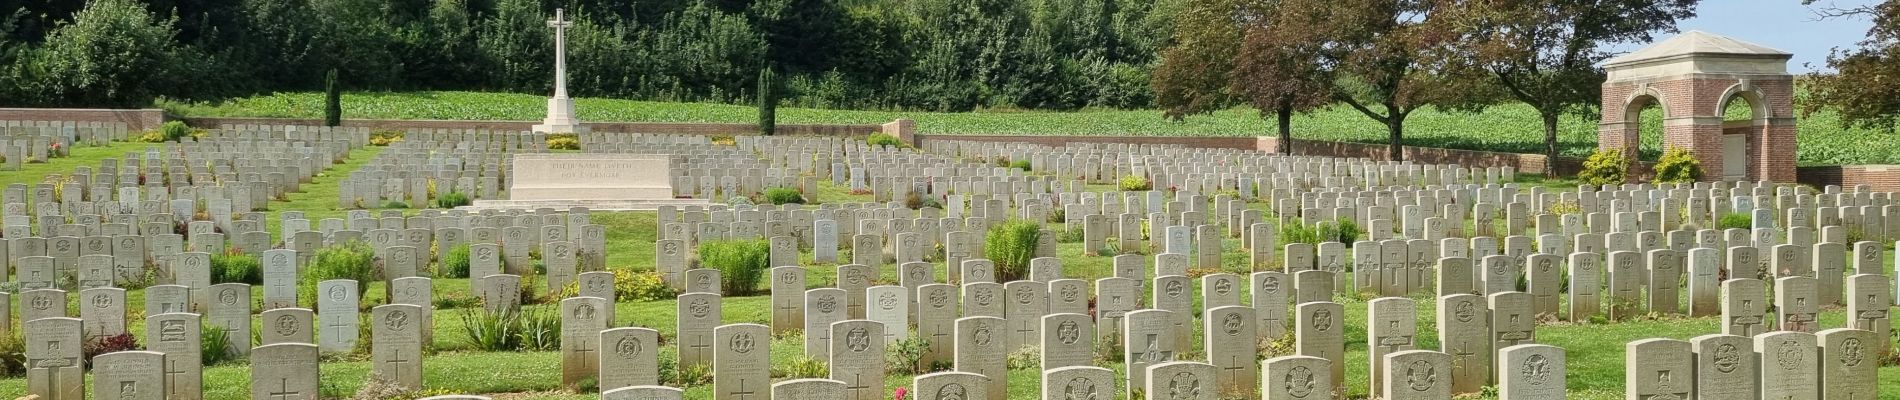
214	345
1736	221
1678	166
804	368
454	264
880	140
540	329
1135	183
354	260
1340	230
1011	245
108	344
779	196
905	356
13	353
641	286
1027	358
488	331
236	267
174	130
152	137
741	263
452	200
384	137
564	141
1020	164
1604	167
397	204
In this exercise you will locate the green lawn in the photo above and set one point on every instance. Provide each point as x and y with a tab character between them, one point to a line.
1508	128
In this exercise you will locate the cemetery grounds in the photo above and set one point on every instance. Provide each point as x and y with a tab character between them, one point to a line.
1595	352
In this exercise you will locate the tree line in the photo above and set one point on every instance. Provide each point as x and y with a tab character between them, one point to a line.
940	55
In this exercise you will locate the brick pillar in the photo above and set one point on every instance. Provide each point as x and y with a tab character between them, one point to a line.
1776	160
1618	135
905	130
1703	140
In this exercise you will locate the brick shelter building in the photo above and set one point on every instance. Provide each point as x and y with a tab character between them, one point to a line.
1692	78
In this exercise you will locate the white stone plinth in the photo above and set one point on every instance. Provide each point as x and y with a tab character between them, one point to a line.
591	177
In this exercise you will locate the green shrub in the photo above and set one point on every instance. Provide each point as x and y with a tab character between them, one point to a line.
236	267
540	328
214	345
905	357
174	130
779	196
1135	183
13	353
1678	166
640	286
1020	164
1010	246
803	368
152	137
741	263
488	331
1026	358
454	264
332	100
768	101
880	139
1348	231
395	204
1339	230
1736	221
564	141
452	200
354	260
1604	167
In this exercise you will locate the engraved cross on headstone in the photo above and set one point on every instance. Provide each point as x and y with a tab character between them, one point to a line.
858	385
283	391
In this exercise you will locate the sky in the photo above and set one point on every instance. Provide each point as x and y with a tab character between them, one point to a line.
1782	24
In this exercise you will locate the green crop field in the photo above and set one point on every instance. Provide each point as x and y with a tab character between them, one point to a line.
1506	128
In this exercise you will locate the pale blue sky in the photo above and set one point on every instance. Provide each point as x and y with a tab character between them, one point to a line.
1782	24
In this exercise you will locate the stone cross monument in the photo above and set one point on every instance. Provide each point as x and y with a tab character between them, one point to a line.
560	107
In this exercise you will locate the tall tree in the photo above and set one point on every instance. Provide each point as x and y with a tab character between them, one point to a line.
1379	53
1545	52
1866	88
1226	52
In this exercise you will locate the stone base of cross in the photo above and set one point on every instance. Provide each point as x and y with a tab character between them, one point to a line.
560	118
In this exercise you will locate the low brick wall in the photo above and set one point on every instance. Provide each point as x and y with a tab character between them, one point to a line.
1526	163
135	120
1882	178
630	127
1243	143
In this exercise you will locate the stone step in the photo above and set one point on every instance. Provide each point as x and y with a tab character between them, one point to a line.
594	205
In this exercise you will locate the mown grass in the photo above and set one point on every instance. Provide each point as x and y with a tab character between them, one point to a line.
1507	128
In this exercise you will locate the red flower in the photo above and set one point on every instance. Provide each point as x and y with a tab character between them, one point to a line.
900	393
